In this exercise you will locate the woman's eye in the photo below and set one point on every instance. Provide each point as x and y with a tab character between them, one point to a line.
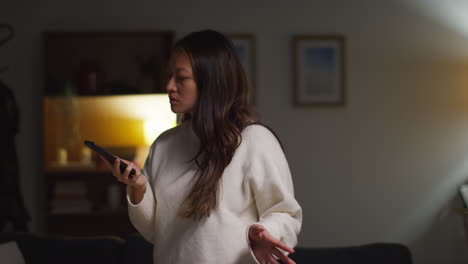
180	79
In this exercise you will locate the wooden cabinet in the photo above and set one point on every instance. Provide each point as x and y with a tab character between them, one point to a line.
86	203
103	63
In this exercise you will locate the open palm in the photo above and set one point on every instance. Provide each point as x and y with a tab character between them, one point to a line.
265	246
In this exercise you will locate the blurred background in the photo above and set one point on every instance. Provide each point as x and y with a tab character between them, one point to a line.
384	166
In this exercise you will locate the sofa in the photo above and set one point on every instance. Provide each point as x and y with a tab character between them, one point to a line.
49	249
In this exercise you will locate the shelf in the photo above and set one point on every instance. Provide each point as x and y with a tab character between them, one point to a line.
106	62
81	175
88	78
101	213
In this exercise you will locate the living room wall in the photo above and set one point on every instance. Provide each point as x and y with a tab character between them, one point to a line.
385	167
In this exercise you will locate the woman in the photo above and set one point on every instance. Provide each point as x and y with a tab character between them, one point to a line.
216	188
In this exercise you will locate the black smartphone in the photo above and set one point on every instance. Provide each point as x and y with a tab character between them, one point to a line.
106	154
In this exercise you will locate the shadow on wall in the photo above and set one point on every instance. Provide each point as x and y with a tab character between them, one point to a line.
446	225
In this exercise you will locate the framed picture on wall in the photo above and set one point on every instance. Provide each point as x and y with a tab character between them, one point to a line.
319	70
244	45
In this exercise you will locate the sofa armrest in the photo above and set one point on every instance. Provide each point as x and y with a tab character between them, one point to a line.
382	253
138	250
58	249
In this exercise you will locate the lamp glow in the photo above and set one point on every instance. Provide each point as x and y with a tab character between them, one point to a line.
142	117
155	127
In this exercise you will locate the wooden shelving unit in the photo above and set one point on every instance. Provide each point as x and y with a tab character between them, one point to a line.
92	65
96	217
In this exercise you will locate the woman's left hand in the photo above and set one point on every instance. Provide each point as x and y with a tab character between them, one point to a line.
265	246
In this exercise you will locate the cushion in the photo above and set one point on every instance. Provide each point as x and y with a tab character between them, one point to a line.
10	254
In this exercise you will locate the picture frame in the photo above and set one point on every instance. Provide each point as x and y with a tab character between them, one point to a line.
244	44
319	70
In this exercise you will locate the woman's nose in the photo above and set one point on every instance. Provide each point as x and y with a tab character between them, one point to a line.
170	86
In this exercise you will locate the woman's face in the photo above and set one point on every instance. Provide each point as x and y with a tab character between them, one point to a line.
182	89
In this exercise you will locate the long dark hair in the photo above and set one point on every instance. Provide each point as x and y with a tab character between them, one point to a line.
221	113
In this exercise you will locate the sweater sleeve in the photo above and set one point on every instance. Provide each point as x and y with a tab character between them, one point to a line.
272	186
142	215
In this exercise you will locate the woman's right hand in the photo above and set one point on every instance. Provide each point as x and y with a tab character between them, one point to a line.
136	182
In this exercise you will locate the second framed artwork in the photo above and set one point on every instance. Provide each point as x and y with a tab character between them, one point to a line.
244	44
319	70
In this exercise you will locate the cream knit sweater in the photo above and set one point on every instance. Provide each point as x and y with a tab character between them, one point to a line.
256	187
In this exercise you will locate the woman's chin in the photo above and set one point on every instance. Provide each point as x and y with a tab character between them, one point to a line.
176	110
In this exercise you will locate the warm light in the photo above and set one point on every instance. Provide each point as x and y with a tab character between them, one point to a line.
140	118
154	128
142	107
126	121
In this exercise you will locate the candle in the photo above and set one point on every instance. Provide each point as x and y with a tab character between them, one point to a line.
85	155
62	156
